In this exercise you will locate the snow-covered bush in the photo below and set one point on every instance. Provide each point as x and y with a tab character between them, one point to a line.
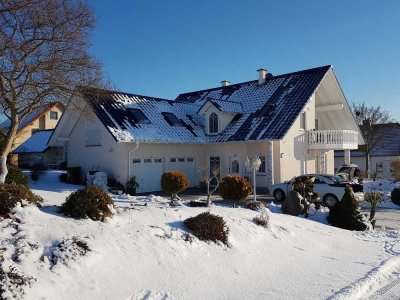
208	227
346	213
263	218
395	195
11	194
255	205
16	176
90	202
234	188
174	182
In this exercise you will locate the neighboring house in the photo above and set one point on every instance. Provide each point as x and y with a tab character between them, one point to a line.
292	121
35	151
380	158
43	118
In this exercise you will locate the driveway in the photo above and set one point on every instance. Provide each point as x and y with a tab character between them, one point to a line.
387	217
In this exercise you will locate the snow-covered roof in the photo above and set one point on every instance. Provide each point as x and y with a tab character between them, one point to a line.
390	145
224	105
37	143
267	111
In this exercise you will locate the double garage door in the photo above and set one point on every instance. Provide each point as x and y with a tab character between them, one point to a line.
148	171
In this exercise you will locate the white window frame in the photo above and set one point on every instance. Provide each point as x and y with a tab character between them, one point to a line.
211	125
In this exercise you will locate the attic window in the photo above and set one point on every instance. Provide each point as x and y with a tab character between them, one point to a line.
138	116
172	119
213	123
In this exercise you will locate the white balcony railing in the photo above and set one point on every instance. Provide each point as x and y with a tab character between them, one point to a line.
333	139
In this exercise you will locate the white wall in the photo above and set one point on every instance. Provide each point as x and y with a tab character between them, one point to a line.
360	161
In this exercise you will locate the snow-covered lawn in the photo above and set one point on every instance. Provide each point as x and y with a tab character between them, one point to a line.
143	253
386	186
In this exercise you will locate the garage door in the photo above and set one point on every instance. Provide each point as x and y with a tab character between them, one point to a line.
148	173
185	165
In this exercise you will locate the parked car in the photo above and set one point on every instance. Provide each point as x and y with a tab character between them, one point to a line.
350	172
329	187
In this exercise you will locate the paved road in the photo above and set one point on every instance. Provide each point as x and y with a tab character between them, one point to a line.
387	217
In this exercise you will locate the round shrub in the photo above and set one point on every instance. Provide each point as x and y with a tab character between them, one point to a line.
234	188
11	194
16	176
208	227
63	177
90	202
174	182
395	195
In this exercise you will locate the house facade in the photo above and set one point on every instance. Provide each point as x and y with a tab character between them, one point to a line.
44	117
293	122
388	149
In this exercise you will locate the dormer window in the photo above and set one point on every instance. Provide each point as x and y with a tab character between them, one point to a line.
213	123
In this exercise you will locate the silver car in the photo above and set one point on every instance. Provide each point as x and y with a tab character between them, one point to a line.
329	187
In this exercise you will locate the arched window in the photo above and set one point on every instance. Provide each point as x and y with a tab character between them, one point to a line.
213	123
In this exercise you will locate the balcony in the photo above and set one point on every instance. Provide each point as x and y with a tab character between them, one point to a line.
333	139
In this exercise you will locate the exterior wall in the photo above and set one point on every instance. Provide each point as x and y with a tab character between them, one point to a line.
295	158
239	150
110	157
223	118
360	161
43	123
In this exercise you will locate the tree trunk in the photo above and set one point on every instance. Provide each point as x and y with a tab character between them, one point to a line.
208	202
372	213
3	169
367	165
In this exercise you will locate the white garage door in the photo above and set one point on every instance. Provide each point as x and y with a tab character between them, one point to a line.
148	173
185	165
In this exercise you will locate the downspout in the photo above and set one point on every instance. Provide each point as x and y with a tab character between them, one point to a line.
129	159
270	164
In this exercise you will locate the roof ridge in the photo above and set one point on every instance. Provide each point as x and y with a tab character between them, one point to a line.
108	91
267	79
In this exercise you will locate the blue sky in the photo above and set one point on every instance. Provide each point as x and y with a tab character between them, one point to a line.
163	48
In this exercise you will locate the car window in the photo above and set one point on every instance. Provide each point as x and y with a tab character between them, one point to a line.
335	179
319	181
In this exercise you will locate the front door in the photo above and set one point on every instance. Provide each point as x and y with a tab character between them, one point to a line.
215	165
234	165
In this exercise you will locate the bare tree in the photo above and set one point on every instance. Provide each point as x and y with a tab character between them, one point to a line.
375	124
208	178
43	58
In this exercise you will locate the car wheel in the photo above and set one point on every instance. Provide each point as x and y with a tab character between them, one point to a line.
279	195
330	200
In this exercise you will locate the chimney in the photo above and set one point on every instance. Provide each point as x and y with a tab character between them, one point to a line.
262	75
225	83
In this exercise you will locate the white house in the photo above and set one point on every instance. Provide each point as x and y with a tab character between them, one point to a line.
382	156
294	122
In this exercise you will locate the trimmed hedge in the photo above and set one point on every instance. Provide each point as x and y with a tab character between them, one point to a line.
208	227
90	202
395	195
234	188
11	194
16	176
174	182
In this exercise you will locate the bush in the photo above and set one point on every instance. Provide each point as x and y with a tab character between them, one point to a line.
90	202
255	205
37	171
346	213
74	175
263	218
208	227
63	177
395	195
174	182
11	194
131	186
234	188
16	176
113	184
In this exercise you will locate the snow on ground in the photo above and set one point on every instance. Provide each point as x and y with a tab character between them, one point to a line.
386	186
143	253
